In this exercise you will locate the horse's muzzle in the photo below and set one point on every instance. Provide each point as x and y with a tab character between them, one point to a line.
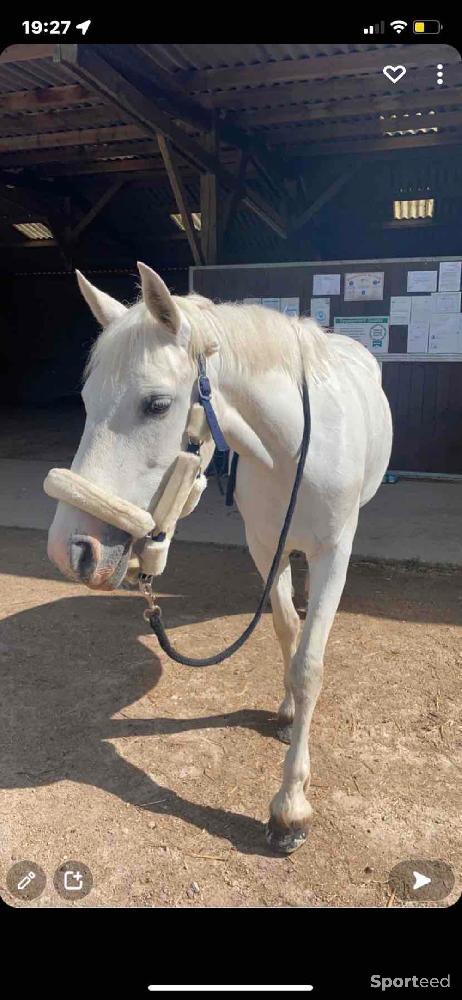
100	563
91	552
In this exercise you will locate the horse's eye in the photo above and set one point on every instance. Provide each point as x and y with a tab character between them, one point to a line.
156	405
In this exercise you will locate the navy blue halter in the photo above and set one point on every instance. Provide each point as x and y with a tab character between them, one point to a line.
205	399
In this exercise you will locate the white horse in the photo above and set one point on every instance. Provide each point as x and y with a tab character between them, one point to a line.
140	383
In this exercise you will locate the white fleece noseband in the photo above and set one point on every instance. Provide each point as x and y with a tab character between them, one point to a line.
180	496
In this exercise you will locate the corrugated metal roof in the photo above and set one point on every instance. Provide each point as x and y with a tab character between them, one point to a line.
31	74
208	56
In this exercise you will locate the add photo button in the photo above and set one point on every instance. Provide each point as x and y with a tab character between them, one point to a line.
73	880
422	881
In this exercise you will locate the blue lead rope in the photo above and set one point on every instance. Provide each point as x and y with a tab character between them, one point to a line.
154	616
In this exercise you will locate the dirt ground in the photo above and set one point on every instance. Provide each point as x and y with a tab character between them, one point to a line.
159	777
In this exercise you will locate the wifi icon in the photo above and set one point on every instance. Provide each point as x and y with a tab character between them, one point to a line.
398	26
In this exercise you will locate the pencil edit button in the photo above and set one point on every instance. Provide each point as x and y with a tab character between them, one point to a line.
422	880
73	880
26	880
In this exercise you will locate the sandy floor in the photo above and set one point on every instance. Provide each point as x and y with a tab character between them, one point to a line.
159	777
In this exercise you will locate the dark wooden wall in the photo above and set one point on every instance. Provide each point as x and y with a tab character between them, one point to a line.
46	331
426	403
425	396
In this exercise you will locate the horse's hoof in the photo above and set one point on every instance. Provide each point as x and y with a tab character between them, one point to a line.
284	732
282	840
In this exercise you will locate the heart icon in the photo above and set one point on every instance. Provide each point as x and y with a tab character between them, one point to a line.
394	73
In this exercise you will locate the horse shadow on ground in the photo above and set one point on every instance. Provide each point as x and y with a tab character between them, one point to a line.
68	666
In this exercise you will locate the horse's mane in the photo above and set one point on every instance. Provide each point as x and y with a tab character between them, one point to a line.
255	339
250	338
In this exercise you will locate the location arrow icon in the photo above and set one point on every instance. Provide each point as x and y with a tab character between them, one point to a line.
83	27
420	880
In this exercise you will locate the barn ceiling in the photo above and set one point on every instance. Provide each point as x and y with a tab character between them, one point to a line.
104	143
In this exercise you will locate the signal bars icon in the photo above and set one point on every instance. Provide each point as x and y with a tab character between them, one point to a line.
375	29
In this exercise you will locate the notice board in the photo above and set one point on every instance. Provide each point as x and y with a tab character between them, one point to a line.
404	299
423	386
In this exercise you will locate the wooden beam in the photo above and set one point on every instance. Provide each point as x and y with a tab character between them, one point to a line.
321	67
209	201
412	224
372	146
320	111
147	166
143	68
93	154
46	98
74	118
235	197
323	199
29	244
79	137
325	91
374	127
179	192
23	53
92	68
98	206
79	154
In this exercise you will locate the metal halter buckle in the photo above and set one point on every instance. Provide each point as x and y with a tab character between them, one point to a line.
204	387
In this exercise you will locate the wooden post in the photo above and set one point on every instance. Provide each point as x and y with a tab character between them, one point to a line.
179	192
209	204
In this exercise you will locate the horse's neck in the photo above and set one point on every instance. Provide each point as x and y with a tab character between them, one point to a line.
249	420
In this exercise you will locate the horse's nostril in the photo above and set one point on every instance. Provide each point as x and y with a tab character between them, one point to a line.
83	556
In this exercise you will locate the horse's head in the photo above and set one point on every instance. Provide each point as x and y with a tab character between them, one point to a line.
137	396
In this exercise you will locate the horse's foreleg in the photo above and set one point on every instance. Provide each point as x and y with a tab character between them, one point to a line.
290	809
286	625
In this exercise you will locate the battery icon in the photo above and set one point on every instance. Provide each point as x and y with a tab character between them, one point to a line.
427	27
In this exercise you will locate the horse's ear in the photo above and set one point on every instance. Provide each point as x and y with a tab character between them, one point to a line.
158	300
104	308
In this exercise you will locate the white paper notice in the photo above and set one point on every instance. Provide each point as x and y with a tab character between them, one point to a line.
326	284
417	337
445	334
271	303
422	281
400	310
449	276
372	331
252	302
320	311
445	302
290	306
366	286
421	307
